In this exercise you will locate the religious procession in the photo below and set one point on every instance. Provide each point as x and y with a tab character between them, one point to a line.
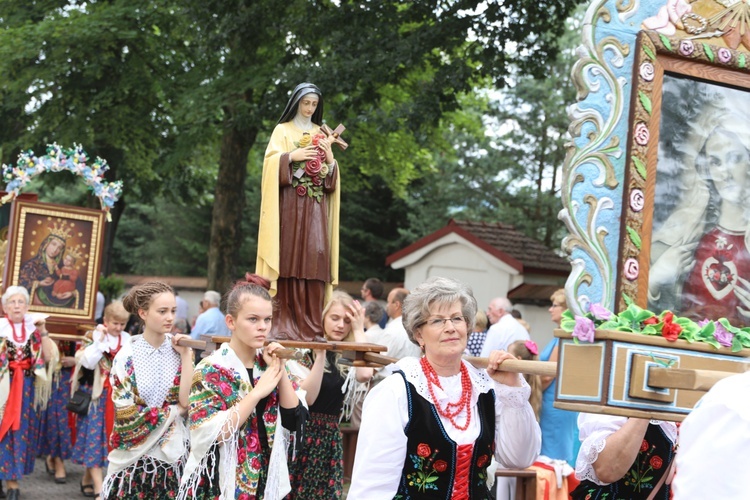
583	336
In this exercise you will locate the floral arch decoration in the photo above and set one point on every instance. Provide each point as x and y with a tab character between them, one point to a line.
58	159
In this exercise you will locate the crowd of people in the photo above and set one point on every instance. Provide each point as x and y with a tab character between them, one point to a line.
243	423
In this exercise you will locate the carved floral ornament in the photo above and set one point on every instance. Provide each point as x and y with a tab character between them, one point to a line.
611	158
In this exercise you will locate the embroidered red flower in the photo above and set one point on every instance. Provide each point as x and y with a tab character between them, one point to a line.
213	378
423	450
244	496
482	461
255	463
225	388
115	440
656	462
253	444
644	445
152	416
241	455
670	331
440	465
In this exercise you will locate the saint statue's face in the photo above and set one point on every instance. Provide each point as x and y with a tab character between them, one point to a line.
54	247
307	105
728	161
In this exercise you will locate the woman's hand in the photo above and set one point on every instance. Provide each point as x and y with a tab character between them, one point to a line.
356	314
270	378
304	154
41	325
325	145
181	349
68	361
268	350
496	359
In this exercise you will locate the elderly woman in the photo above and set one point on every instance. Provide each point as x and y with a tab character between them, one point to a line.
430	429
24	348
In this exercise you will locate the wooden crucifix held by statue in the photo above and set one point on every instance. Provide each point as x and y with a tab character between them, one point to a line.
336	134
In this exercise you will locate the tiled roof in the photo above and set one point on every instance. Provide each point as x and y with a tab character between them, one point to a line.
532	253
501	240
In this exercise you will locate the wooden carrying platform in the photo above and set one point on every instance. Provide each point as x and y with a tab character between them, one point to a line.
636	375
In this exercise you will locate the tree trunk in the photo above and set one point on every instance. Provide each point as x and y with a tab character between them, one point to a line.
114	157
229	207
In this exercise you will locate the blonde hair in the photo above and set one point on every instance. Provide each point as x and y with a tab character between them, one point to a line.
115	310
520	351
559	297
344	299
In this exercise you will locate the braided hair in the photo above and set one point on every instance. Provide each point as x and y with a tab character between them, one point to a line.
140	296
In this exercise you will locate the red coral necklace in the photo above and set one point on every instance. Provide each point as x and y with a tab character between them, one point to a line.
18	339
451	410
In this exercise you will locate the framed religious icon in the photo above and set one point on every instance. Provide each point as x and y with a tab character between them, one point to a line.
55	253
686	205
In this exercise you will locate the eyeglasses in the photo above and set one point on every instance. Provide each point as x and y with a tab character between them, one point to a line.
458	321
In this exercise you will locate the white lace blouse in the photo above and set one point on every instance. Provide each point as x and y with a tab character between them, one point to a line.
593	431
155	369
381	446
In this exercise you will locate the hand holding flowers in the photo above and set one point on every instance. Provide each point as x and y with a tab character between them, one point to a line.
310	165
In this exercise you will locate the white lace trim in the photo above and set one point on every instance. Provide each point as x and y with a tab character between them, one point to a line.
354	393
513	397
596	441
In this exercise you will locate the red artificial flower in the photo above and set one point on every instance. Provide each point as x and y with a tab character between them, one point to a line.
423	450
317	138
312	167
316	181
670	331
656	462
644	445
651	321
482	461
440	466
301	190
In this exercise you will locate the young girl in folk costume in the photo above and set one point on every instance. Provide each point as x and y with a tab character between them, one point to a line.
55	434
318	471
527	350
93	367
150	380
24	348
242	407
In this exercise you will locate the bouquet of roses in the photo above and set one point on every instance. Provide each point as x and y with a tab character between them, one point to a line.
717	333
309	175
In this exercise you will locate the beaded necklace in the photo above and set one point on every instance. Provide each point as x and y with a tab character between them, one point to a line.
18	339
451	410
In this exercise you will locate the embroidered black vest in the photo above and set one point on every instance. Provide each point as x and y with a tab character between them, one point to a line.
653	460
430	464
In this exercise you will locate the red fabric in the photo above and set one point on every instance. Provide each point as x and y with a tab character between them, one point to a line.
463	464
109	411
12	416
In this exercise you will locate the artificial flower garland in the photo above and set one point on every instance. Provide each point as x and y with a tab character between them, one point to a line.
719	333
57	159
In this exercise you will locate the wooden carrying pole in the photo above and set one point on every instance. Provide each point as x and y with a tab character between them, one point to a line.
543	368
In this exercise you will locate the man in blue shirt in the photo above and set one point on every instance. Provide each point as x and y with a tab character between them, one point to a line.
211	321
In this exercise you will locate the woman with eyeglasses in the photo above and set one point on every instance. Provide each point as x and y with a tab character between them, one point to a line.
431	428
559	427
